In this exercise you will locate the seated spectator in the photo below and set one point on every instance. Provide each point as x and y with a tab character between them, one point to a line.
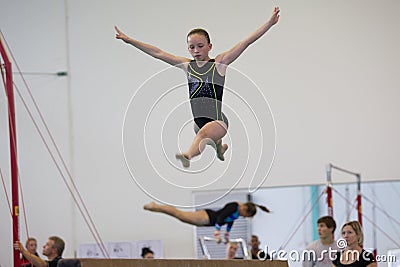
147	253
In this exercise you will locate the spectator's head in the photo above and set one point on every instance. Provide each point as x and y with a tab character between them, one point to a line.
147	253
231	249
353	234
326	226
54	247
31	245
254	242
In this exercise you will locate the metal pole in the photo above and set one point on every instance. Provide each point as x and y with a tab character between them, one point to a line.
348	210
13	150
204	248
375	252
344	170
359	207
329	189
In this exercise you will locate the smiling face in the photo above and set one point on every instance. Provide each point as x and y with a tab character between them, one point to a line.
198	46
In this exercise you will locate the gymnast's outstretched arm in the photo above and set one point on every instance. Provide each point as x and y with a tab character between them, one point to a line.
153	51
232	54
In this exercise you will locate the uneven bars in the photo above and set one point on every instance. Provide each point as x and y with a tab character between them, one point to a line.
343	170
329	180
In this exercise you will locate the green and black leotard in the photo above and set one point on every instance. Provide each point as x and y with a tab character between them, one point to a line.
206	87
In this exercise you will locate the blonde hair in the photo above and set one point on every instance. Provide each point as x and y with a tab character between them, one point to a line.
356	226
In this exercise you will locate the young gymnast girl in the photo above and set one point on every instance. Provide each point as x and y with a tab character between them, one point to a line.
207	217
206	79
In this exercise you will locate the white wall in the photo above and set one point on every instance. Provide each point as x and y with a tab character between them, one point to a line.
329	71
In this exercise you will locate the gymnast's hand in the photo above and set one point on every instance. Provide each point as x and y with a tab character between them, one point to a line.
226	238
121	35
275	16
217	236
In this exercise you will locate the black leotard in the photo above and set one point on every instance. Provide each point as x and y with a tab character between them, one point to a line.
227	215
205	92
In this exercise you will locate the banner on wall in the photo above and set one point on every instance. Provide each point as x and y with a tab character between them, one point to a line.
121	250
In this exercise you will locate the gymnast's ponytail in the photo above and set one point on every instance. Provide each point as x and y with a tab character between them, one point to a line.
252	208
263	208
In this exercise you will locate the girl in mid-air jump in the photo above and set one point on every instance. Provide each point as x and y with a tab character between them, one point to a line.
206	79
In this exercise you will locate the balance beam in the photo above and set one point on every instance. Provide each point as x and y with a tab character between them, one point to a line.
179	263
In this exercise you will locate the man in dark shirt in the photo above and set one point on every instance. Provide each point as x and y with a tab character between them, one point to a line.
255	252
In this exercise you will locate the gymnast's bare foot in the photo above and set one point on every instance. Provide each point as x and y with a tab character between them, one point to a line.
152	206
185	161
221	148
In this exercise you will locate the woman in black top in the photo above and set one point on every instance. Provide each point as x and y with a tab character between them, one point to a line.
206	80
353	255
207	217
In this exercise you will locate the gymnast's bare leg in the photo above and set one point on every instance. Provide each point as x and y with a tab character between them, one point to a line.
217	145
213	131
197	218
